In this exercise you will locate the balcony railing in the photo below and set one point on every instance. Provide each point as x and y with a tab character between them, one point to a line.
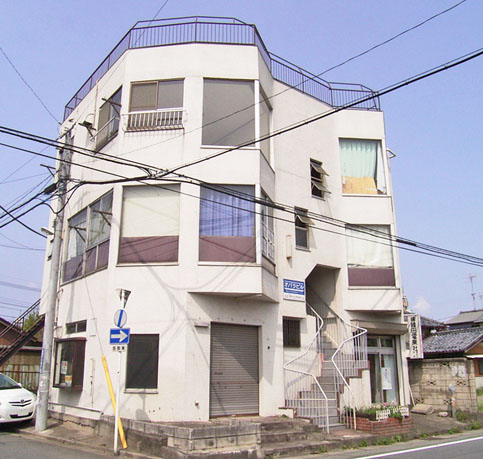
155	120
231	31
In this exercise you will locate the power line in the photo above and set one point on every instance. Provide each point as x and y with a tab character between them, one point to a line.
28	86
19	286
388	89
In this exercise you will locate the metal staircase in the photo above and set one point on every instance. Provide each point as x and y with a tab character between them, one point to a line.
23	337
316	381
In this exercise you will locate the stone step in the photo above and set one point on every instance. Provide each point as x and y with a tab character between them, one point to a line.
293	449
316	394
283	436
282	425
311	411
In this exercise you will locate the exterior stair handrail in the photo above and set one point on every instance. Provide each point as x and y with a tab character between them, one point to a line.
300	383
18	322
351	340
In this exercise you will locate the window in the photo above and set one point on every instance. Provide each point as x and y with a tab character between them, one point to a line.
227	224
369	256
69	364
142	362
479	364
302	222
265	125
156	105
88	239
362	166
291	332
268	238
150	224
228	112
76	327
109	115
317	179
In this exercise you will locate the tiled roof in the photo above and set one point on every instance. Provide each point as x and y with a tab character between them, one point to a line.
427	322
467	316
452	341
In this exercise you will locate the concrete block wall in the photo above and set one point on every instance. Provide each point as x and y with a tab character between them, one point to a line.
430	380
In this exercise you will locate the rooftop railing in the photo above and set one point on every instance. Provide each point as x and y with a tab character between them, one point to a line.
231	31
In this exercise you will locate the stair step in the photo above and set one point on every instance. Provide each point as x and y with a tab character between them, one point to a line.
279	425
293	449
283	436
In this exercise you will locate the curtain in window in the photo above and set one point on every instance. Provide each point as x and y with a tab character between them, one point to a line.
362	159
222	214
367	250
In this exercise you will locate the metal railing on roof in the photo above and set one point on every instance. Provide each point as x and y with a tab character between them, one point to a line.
222	30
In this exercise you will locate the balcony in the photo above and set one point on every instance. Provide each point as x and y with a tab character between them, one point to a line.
152	120
230	31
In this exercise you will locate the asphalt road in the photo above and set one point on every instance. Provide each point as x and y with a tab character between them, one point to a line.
467	445
16	446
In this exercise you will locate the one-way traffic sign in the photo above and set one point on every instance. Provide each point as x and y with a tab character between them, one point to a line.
119	336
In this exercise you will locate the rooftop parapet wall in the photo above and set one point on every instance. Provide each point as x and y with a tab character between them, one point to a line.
202	29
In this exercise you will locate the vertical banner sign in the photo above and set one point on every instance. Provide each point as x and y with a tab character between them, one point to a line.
415	337
293	290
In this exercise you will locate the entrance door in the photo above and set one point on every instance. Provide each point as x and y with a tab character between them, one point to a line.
234	373
382	369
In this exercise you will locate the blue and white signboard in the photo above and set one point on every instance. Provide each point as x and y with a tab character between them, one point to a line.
293	290
119	336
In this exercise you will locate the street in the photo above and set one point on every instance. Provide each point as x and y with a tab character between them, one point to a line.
465	445
14	445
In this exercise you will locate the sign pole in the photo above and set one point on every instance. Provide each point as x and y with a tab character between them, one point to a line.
118	402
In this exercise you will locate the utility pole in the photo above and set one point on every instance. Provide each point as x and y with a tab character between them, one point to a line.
48	336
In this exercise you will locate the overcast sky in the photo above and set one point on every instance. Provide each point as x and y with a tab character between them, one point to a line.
434	127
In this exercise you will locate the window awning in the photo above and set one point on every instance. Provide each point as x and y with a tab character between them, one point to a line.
318	168
319	185
304	219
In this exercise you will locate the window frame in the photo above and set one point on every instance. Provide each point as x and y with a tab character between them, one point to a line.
268	228
88	248
379	189
291	332
79	326
113	122
302	225
132	374
77	368
318	183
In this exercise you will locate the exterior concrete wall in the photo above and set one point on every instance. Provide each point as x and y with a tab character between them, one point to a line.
175	299
430	380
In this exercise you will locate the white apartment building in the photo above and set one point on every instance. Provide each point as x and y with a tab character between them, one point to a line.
261	275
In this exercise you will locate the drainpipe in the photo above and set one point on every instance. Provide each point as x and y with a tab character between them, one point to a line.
48	336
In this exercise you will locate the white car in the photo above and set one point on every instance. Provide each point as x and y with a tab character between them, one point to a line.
16	403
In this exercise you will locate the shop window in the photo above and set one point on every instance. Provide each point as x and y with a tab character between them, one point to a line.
227	224
228	112
317	179
362	166
109	116
369	256
69	364
76	327
156	105
291	332
88	239
142	362
302	223
150	224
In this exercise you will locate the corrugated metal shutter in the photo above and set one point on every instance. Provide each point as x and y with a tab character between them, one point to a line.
234	380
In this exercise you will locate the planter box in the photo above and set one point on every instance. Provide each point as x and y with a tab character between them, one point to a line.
388	427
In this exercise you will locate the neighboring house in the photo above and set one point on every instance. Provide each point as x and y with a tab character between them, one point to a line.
25	364
452	358
228	288
429	326
466	319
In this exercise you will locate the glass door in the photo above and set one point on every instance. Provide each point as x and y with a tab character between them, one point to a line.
383	369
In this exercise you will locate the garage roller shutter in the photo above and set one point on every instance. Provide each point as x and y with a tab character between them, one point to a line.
234	379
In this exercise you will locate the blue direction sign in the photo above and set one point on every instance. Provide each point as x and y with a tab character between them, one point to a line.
119	336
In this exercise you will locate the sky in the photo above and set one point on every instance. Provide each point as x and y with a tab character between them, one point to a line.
434	126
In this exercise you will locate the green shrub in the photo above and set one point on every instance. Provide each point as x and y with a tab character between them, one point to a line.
461	417
475	425
363	444
479	391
